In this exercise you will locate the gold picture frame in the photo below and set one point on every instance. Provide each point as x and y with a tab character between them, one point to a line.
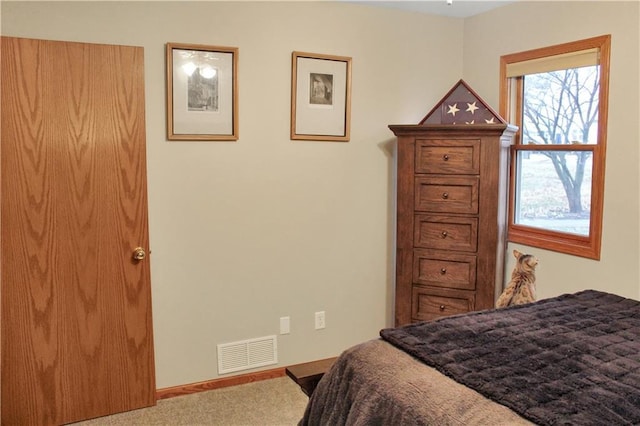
320	97
202	92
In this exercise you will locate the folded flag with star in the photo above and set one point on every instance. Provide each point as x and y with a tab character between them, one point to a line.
463	112
462	106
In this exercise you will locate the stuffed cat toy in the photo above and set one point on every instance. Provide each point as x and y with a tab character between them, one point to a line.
522	287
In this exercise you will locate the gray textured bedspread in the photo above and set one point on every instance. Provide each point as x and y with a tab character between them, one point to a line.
572	359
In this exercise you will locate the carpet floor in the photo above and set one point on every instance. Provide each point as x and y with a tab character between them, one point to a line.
272	402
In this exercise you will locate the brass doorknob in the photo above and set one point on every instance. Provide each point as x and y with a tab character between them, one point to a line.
139	253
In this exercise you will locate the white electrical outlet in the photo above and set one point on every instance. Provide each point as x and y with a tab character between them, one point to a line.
320	320
285	325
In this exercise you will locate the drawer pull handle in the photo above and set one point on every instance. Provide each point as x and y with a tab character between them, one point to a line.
445	157
443	271
445	195
444	234
442	307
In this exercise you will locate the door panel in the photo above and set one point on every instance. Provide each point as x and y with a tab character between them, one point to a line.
76	307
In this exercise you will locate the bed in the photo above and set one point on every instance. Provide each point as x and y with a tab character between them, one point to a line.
571	359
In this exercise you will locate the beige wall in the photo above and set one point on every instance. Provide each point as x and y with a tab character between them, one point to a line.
244	233
528	25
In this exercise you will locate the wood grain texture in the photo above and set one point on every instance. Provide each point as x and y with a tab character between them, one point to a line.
451	194
431	303
404	228
442	269
219	383
449	156
308	374
76	310
457	173
446	232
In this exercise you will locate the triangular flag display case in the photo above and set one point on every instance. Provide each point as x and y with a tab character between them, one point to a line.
451	208
462	106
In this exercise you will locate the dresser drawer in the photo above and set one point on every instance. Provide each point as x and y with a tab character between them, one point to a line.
446	156
452	194
446	232
428	304
442	269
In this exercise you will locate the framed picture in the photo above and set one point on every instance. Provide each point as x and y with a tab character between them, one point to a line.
320	97
202	92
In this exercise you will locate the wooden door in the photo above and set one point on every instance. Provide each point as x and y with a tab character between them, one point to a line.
76	307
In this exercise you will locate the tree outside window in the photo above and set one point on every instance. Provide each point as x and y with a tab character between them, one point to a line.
558	98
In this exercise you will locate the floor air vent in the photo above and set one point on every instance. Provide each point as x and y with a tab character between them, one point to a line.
246	354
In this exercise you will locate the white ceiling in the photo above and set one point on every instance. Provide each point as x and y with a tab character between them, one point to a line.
458	9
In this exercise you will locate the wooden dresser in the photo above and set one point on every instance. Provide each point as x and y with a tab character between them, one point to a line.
451	212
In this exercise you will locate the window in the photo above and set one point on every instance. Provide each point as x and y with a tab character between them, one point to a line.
558	98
